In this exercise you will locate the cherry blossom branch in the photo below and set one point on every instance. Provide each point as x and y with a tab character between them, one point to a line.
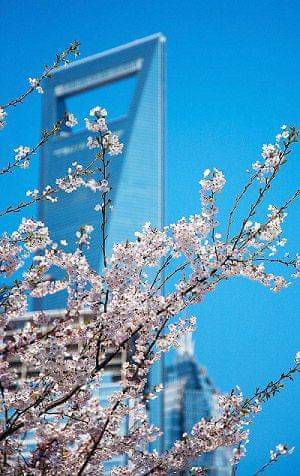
118	402
61	58
277	213
261	194
19	161
50	191
248	406
237	202
165	264
281	450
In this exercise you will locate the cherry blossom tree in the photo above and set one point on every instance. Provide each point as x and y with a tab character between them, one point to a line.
129	313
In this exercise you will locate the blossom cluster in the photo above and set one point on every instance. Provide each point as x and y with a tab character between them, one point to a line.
30	236
71	120
107	140
280	450
22	153
274	155
35	83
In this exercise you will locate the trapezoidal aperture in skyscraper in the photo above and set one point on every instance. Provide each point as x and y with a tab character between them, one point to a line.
137	177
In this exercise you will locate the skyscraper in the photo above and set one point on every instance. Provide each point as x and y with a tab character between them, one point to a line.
135	74
189	395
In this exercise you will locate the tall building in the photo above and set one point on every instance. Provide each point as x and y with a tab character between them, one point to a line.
189	395
129	80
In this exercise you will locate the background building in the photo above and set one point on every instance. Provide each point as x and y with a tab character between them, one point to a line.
189	395
109	384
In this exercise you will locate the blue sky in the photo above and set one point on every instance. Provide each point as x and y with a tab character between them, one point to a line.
232	79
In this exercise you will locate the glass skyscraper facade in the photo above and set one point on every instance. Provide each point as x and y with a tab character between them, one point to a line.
136	177
189	395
